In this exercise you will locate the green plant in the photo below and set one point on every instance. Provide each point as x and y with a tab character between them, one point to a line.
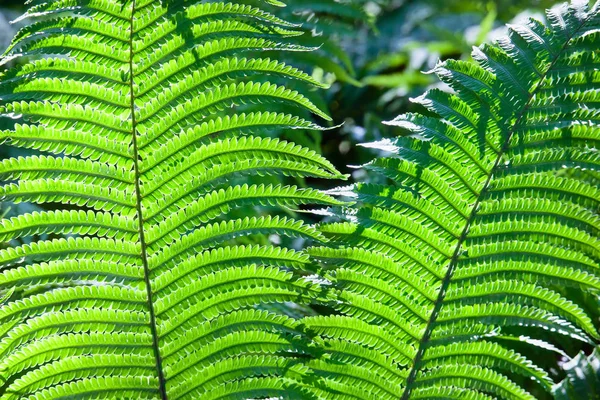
139	258
133	281
482	233
583	378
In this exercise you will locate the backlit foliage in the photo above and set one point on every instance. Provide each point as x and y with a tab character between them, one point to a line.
131	282
488	215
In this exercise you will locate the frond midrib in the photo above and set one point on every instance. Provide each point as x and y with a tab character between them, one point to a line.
138	200
471	218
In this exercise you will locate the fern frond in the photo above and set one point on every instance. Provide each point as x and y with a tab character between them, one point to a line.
130	281
484	222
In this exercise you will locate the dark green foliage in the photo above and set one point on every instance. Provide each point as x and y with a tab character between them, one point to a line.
490	211
583	378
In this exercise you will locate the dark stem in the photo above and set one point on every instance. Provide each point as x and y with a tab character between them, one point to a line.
463	236
162	387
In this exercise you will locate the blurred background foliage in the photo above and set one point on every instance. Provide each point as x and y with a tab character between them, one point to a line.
375	55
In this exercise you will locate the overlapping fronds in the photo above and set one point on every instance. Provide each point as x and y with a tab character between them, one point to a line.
489	213
130	282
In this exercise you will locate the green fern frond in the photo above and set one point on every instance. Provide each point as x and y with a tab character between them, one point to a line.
131	282
482	225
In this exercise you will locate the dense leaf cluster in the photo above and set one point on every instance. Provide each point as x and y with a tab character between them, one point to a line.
160	253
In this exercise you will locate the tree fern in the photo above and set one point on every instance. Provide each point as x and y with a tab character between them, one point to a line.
130	282
487	213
